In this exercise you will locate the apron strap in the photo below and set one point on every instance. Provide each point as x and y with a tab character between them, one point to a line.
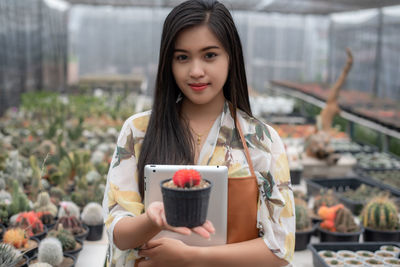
246	149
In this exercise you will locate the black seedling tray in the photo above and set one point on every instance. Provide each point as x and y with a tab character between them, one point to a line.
336	246
341	184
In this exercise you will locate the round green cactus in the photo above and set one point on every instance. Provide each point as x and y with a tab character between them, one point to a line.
65	237
381	214
303	220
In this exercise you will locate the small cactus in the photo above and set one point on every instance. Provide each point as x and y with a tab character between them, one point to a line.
45	217
50	251
19	201
16	237
43	203
31	222
3	213
70	223
303	220
381	214
9	256
65	237
344	221
92	214
68	208
56	195
327	198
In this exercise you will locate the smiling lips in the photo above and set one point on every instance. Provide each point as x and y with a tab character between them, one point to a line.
198	86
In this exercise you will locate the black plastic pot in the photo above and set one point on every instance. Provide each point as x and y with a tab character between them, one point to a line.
295	176
76	252
2	230
371	235
95	232
186	207
82	236
30	253
24	261
303	238
43	234
327	236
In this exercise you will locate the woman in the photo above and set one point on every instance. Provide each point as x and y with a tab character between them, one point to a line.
201	115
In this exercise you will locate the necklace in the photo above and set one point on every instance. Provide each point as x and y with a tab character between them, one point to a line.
199	136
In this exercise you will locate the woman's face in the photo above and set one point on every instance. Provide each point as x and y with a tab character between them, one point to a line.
200	66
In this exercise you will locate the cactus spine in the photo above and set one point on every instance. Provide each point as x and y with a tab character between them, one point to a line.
50	251
325	199
65	237
344	221
303	220
381	214
44	204
16	237
92	214
9	256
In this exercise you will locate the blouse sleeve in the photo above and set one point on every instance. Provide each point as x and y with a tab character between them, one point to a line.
122	197
276	209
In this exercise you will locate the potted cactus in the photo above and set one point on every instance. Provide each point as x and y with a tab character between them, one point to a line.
46	209
70	221
9	256
304	227
324	198
31	222
19	202
68	242
338	225
50	251
19	239
56	195
92	216
380	220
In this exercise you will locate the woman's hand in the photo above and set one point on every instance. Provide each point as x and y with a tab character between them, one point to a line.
166	252
156	214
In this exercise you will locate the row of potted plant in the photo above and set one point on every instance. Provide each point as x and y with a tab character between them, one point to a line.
379	221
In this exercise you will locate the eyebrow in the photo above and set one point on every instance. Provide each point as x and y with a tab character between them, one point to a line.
203	49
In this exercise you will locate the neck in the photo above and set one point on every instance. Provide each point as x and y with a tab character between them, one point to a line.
206	112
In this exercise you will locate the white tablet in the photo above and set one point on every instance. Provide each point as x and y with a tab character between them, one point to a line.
217	207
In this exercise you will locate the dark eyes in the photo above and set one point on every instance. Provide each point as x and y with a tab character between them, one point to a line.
181	57
207	56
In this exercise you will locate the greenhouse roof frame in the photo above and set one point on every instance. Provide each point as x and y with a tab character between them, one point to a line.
303	7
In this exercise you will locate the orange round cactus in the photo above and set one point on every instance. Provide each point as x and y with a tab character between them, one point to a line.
16	237
186	178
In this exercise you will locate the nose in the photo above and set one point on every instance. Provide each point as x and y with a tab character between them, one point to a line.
196	69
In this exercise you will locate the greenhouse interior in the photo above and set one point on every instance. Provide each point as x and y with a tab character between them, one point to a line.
324	75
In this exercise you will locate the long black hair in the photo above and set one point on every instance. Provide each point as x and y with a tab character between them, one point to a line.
168	139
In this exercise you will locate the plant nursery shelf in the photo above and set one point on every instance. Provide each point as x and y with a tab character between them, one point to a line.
352	111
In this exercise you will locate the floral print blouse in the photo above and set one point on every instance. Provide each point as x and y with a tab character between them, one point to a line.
276	215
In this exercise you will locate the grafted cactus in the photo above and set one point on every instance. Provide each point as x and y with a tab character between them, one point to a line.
50	251
31	222
327	198
344	221
381	214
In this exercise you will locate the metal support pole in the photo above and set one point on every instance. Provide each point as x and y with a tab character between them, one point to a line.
378	54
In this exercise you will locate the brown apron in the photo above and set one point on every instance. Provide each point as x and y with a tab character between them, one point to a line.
242	202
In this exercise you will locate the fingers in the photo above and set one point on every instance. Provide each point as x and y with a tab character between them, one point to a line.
209	227
201	231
